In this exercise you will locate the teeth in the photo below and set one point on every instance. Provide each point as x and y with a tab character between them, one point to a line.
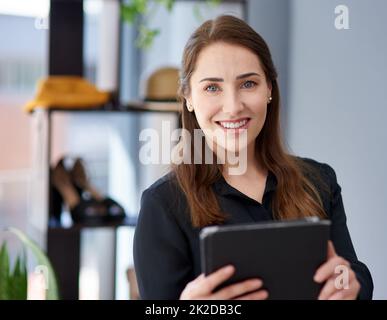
233	125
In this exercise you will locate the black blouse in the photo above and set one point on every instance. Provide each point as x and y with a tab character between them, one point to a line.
166	245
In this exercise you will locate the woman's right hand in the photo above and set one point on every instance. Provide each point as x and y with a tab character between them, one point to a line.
201	288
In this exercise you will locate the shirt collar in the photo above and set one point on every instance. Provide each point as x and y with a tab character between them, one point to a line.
224	189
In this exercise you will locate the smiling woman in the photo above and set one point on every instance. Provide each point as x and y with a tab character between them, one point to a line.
229	91
228	78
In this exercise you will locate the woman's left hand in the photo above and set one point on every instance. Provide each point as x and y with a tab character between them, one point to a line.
341	282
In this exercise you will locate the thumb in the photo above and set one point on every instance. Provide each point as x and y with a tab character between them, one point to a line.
201	276
331	250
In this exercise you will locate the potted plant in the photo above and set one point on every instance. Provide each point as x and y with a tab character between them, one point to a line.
15	283
137	11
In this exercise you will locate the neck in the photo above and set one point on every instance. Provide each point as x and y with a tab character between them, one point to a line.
252	167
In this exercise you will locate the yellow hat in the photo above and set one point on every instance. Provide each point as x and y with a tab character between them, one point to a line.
67	92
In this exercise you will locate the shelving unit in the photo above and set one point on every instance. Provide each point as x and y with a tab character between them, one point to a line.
63	244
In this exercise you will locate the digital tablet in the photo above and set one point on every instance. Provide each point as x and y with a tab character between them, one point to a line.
285	255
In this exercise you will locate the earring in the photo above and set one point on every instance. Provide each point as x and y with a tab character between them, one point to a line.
189	107
270	98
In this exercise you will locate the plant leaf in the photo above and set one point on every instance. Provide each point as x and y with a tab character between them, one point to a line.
4	273
168	4
146	37
18	280
42	260
141	5
129	12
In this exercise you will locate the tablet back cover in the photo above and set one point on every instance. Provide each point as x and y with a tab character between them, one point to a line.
285	255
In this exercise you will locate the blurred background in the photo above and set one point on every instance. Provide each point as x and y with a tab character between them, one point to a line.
330	57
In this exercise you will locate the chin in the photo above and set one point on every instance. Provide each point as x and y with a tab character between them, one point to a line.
234	147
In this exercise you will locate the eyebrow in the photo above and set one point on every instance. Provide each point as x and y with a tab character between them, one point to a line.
241	76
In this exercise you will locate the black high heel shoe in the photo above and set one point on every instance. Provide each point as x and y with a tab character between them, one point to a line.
62	192
55	205
114	212
71	187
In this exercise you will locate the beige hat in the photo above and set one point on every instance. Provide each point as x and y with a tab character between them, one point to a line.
161	90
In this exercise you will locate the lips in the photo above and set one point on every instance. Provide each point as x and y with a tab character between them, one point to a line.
241	123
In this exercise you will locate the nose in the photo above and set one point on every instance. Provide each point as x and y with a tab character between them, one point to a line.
232	104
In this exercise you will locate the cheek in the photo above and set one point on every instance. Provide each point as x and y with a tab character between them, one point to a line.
257	103
205	110
258	107
261	111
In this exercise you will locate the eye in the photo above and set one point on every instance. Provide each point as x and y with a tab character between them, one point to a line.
249	84
211	88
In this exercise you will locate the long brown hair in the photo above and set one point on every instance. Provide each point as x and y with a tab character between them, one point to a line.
295	195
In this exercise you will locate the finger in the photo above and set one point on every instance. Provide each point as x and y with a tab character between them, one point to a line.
345	278
328	289
350	293
201	276
338	295
328	268
194	288
238	289
331	250
209	283
259	295
196	282
331	287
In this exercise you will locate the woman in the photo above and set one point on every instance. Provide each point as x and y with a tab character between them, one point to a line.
230	93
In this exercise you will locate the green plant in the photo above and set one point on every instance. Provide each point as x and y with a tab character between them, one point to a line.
13	282
139	10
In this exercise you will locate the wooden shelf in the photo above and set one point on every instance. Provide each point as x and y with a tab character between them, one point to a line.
135	107
127	222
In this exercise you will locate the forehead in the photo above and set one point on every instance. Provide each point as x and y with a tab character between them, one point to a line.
222	59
